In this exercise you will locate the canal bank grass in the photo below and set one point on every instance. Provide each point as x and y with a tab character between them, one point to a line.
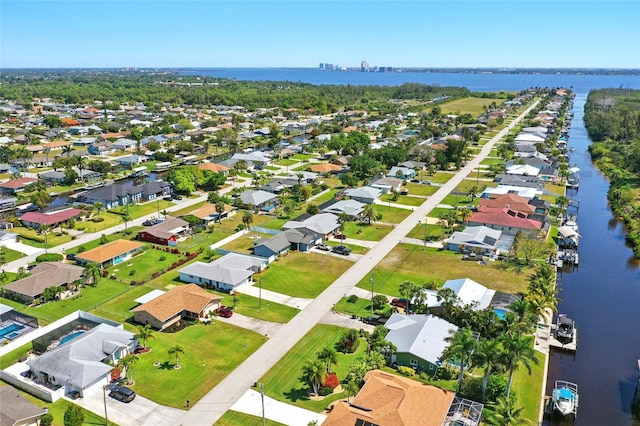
471	105
235	418
210	353
414	263
528	388
297	274
284	382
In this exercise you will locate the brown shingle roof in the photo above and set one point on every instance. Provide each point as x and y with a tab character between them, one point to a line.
45	275
392	400
209	210
18	183
108	251
213	167
189	297
325	168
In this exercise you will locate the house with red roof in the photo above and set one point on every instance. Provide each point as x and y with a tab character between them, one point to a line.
51	219
67	121
509	200
505	219
16	185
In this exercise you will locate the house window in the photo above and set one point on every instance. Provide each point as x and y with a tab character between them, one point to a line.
413	362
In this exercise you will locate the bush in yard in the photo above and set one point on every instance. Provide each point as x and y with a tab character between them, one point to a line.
331	381
162	258
73	416
352	299
349	341
105	273
49	257
406	371
379	301
132	272
325	391
46	420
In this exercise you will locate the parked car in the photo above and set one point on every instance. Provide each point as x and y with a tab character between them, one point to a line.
175	196
400	302
374	320
323	247
151	222
404	191
122	394
342	250
224	312
470	256
341	236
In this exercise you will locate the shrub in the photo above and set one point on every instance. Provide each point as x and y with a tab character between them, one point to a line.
352	299
132	272
331	381
81	249
73	416
162	258
325	391
349	342
379	301
46	420
472	388
49	257
406	371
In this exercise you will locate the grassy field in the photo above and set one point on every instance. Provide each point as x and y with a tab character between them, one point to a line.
364	231
329	195
133	231
210	353
244	244
421	189
528	388
234	418
473	106
144	265
9	255
267	311
284	381
434	232
403	199
29	233
413	263
391	214
297	274
361	308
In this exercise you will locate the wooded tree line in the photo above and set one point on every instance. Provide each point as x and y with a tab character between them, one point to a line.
78	88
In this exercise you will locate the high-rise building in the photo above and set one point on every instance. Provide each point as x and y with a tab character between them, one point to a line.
364	66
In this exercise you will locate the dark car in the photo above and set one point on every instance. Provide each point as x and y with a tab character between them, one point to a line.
341	237
176	197
374	320
323	247
122	394
400	302
342	250
224	312
404	192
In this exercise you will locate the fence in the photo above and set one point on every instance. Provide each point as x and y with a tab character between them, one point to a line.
265	230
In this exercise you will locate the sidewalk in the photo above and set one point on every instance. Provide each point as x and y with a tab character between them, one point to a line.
251	403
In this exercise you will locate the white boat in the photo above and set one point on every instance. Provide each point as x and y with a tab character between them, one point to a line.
565	397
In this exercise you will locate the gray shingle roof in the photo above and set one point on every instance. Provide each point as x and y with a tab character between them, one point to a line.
232	268
319	224
46	274
256	198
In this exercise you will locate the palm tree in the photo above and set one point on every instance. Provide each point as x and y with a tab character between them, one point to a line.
408	290
164	213
314	372
66	150
98	207
352	388
127	362
487	355
473	192
247	219
517	350
126	218
505	413
343	218
329	356
92	273
462	344
464	214
81	163
375	360
144	333
369	213
219	210
176	350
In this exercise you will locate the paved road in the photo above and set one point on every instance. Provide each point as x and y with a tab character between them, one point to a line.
215	403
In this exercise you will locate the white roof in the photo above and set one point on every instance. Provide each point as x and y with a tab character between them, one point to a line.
518	190
470	292
528	137
420	335
149	296
523	169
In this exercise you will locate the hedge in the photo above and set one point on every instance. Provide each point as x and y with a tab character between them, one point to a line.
49	257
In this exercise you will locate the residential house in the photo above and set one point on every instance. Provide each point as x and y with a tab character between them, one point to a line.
208	213
387	399
84	361
363	194
16	410
14	186
186	302
112	196
226	273
43	276
320	226
508	221
130	160
469	293
522	170
125	144
168	232
512	201
101	148
352	208
214	167
111	253
154	190
260	200
291	239
276	186
403	173
51	219
476	239
325	168
387	184
419	339
523	181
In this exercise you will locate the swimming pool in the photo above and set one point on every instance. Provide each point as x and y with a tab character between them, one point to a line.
500	313
71	336
11	329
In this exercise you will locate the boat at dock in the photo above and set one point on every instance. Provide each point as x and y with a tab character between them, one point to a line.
565	398
564	335
565	328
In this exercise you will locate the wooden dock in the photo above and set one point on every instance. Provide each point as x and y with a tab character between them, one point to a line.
554	343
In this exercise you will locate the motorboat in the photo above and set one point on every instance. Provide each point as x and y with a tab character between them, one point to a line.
565	329
565	397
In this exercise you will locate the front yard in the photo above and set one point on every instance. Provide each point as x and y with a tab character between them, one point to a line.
364	231
391	214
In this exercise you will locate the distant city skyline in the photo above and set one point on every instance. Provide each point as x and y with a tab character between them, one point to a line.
400	34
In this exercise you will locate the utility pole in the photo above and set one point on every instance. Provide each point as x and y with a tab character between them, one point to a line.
259	293
264	420
371	293
104	398
424	247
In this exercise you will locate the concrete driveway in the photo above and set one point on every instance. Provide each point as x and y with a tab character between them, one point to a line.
251	403
266	328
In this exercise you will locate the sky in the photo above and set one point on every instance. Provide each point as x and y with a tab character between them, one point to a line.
401	34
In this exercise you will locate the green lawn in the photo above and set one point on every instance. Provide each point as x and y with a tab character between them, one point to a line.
235	418
403	199
434	232
244	243
33	238
528	388
296	274
329	195
361	308
285	162
392	214
354	248
284	381
303	157
421	189
210	353
268	311
471	105
120	307
144	265
276	223
139	210
364	231
133	231
188	210
9	255
414	263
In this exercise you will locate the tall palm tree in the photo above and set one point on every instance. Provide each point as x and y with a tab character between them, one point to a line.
369	213
127	362
329	356
464	214
81	163
92	273
247	219
98	207
352	388
314	372
164	213
517	350
176	350
409	290
487	355
219	210
462	344
473	192
126	218
505	413
145	332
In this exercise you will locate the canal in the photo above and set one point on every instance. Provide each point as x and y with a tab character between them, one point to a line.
603	297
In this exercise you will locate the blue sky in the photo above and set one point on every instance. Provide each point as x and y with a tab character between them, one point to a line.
138	33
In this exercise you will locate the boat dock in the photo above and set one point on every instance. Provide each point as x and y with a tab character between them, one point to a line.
557	345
